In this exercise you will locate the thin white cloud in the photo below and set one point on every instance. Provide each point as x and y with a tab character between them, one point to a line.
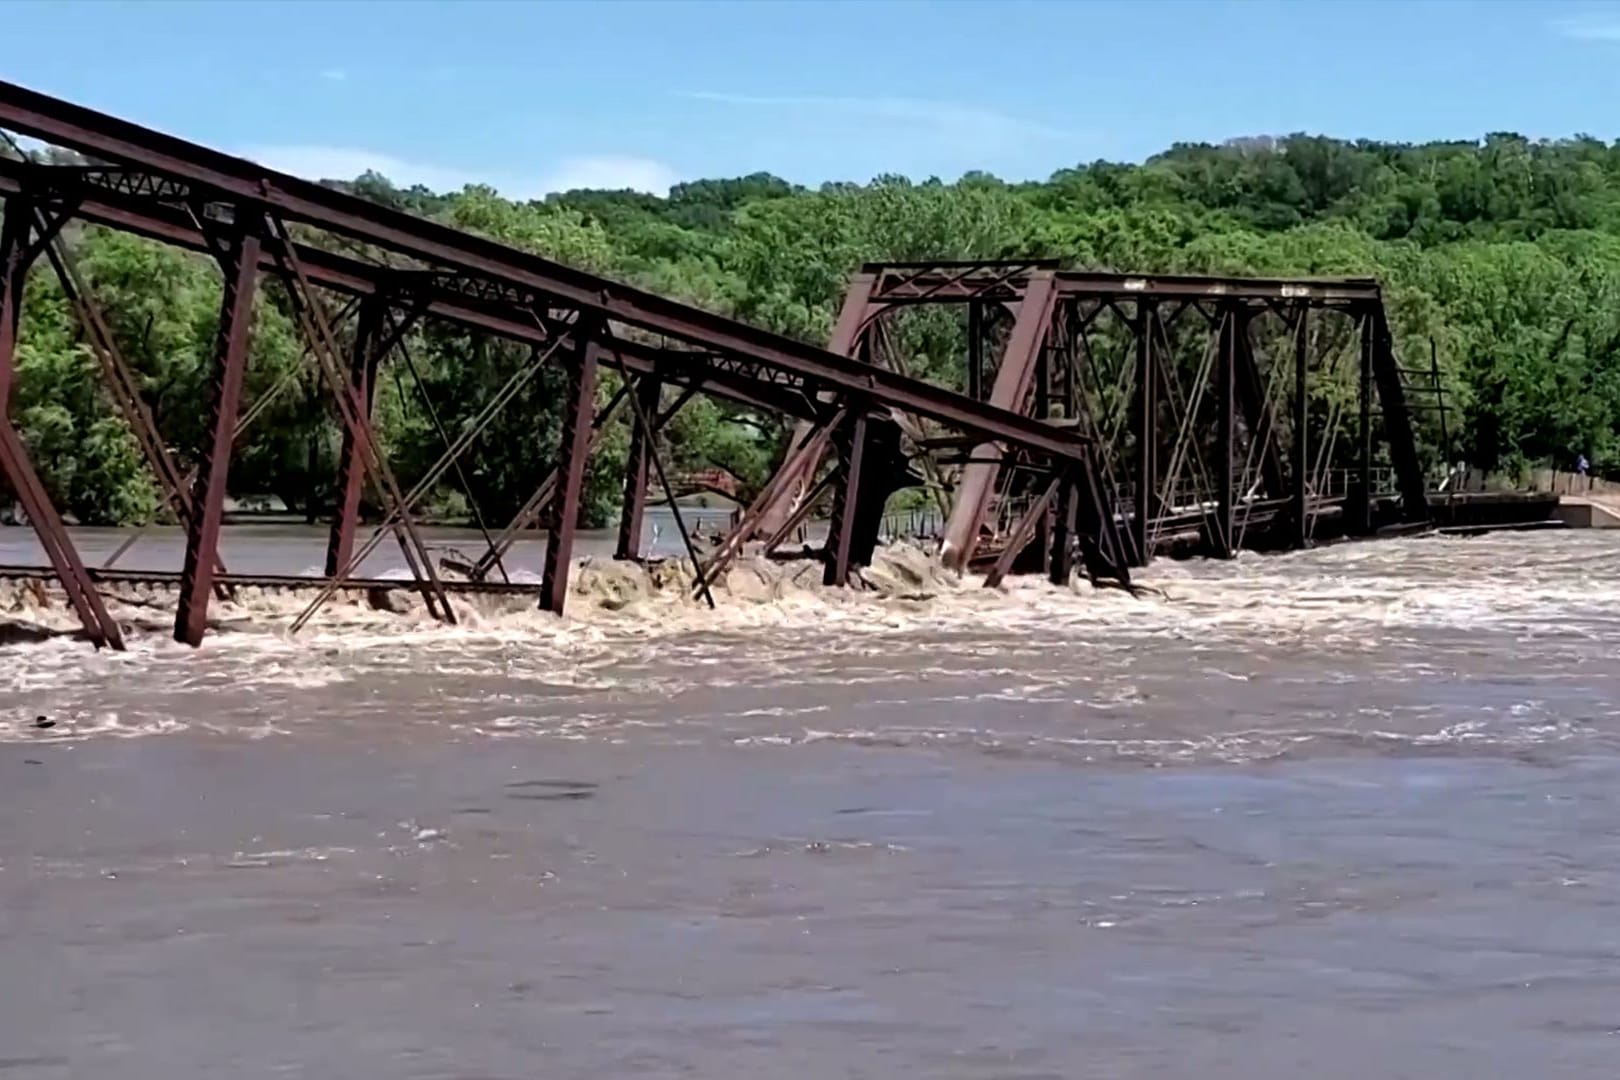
612	173
334	74
1589	29
968	124
345	163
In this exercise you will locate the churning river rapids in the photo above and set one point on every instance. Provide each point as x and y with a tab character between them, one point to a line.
1350	813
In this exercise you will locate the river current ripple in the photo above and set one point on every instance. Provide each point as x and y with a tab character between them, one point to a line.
1346	813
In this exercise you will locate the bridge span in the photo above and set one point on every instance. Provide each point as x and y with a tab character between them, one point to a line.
1101	417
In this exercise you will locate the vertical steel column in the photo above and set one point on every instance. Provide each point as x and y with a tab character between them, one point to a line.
351	476
846	505
649	391
1363	506
1147	432
213	469
1226	433
13	275
208	496
1061	556
575	449
975	336
1302	467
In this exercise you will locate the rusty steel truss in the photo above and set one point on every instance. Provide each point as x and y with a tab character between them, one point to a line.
352	316
1216	405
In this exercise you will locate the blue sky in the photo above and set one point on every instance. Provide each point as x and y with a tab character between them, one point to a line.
537	97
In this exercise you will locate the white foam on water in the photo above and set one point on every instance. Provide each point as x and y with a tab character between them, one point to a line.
640	629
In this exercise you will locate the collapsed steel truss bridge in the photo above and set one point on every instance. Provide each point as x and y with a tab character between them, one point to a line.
1044	426
252	220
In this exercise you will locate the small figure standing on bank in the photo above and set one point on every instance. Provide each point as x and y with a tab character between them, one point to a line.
1581	465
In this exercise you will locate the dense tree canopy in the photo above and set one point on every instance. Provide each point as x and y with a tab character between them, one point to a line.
1505	253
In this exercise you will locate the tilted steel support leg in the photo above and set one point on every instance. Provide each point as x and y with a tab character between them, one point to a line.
846	506
797	473
208	497
15	466
1015	378
576	445
351	475
1021	535
649	390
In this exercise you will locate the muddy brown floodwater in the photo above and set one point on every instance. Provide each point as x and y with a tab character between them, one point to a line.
1345	814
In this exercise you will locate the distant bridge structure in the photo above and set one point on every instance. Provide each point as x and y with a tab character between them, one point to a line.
1226	412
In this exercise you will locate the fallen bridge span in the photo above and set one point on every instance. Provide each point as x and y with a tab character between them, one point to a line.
264	227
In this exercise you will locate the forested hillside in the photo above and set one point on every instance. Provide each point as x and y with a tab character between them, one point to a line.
1505	253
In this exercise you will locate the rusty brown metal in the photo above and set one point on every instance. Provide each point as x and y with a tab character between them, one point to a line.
1160	408
363	362
14	233
312	320
797	473
1011	389
811	442
846	501
536	506
151	183
400	509
637	465
208	498
579	404
649	436
15	465
20	475
1021	535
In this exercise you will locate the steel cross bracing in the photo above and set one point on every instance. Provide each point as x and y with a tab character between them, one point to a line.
352	313
1216	404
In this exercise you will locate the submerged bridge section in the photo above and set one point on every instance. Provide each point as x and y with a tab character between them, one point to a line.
1226	412
625	352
